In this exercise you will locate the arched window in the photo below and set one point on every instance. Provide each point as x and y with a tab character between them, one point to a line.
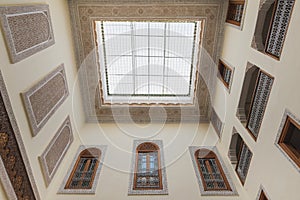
148	174
147	168
211	172
85	170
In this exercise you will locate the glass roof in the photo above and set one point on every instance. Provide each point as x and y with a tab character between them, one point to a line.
148	62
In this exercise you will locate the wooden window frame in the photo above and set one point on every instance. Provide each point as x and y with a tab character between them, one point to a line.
290	151
235	2
262	196
269	32
211	155
238	161
224	65
140	149
252	102
87	153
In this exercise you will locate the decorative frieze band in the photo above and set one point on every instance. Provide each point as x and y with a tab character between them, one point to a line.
44	98
27	30
56	150
15	171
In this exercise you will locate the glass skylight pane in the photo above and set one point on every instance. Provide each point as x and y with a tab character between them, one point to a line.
180	46
141	65
177	85
181	29
141	28
121	89
156	46
148	60
114	63
178	67
156	84
141	85
141	45
156	66
157	28
117	28
118	45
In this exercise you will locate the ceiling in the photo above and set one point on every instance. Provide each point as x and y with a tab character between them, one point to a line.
87	15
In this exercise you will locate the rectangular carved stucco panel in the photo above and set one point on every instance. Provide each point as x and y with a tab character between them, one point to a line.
44	98
27	30
55	151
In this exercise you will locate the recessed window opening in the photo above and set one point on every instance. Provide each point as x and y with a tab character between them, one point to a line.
148	61
289	140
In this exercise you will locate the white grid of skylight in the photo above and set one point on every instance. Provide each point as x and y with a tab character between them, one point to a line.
148	61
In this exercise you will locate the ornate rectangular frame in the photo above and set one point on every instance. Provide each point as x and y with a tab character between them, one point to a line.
25	10
48	175
34	124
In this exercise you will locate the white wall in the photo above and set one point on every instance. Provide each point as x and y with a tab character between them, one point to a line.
114	176
268	166
22	75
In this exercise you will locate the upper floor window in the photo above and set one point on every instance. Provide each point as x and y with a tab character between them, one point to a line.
82	177
211	172
262	196
84	171
225	73
235	12
289	137
254	98
148	174
272	25
244	159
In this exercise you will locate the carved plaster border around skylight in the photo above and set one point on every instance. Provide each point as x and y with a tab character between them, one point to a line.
84	13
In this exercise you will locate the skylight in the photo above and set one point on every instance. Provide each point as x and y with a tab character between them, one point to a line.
148	62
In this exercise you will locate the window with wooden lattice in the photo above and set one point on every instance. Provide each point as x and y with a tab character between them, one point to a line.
83	173
225	73
272	25
212	174
244	160
262	196
235	12
147	173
